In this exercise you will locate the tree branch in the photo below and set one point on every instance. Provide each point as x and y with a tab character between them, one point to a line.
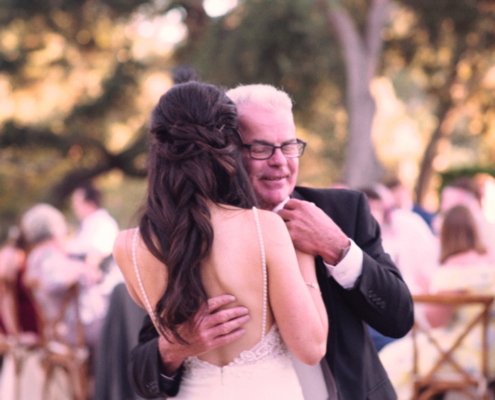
44	138
426	168
70	181
125	160
377	16
352	45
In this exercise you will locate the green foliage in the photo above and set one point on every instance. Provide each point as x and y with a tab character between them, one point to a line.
453	174
46	48
25	9
83	48
280	42
438	59
463	14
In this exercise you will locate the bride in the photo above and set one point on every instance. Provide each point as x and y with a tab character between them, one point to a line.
201	236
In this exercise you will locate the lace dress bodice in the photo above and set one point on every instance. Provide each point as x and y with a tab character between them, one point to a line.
271	346
264	372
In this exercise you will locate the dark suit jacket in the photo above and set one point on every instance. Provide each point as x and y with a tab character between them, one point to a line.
380	298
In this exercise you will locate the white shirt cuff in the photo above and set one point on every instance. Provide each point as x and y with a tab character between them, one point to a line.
348	270
169	378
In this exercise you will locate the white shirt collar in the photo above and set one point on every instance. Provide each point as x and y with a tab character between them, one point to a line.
281	205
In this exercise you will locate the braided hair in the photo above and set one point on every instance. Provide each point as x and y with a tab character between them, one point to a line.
194	159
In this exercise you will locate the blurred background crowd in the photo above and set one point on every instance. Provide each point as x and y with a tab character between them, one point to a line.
395	98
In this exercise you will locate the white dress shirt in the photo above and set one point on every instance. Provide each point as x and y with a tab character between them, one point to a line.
96	233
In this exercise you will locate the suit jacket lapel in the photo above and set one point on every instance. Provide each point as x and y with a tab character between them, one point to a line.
296	195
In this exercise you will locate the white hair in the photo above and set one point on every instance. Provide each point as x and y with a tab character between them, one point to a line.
43	222
265	96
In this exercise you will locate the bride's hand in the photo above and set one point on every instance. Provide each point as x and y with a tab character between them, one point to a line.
204	333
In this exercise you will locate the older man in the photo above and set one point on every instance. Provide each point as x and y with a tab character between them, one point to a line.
359	283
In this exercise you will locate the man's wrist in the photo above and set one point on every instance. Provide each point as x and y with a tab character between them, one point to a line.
343	252
169	385
169	369
348	270
335	257
168	365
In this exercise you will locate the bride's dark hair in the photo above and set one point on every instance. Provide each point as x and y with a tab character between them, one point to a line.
194	158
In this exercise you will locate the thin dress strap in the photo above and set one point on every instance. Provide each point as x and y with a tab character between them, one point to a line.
138	275
265	275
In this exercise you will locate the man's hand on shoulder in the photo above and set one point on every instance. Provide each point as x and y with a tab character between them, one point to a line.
314	232
204	333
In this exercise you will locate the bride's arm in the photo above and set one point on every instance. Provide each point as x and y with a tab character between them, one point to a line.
307	267
298	308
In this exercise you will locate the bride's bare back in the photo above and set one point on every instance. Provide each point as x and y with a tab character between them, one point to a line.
234	266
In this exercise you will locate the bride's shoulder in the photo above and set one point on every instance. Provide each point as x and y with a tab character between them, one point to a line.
124	239
122	247
270	217
273	228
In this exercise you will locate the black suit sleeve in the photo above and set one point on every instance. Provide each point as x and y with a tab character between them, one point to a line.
144	366
380	297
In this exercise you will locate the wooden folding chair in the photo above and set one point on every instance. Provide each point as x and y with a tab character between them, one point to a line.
436	380
58	352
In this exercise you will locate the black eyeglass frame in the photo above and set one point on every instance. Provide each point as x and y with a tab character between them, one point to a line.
301	145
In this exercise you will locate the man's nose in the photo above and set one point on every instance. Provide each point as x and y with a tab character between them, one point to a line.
277	158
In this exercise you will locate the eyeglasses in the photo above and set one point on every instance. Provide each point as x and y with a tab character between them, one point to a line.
265	151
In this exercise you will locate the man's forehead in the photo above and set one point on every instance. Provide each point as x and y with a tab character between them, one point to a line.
266	124
253	110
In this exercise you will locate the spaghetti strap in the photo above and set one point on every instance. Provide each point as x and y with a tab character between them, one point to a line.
138	275
265	275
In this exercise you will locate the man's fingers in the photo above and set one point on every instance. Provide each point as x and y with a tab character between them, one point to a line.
292	204
219	301
228	327
285	214
229	338
222	333
295	206
224	316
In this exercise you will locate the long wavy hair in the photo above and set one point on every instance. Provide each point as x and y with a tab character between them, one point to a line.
194	159
459	234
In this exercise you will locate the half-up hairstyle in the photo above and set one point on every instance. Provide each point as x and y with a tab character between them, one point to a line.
194	159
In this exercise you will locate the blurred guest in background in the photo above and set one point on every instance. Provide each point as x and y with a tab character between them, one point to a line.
93	242
406	237
97	230
467	192
466	265
404	200
408	240
12	268
50	272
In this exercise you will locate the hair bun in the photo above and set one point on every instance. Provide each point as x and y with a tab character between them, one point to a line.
183	74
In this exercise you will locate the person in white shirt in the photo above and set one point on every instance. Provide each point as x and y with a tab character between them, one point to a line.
98	229
93	241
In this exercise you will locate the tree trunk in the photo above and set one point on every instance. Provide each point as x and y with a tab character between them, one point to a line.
361	54
431	151
446	104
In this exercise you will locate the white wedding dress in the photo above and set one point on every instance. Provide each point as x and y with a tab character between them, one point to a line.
265	372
